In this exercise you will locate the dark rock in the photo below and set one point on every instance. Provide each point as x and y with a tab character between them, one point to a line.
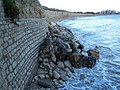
47	41
93	53
80	46
73	46
46	49
76	60
45	83
63	49
40	60
89	61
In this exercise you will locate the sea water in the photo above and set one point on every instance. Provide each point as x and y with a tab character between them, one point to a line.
103	32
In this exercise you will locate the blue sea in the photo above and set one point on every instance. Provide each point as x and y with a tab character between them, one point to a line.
104	32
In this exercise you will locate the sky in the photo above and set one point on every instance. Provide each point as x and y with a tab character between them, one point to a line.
82	5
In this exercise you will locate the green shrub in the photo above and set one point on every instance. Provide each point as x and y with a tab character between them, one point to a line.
10	9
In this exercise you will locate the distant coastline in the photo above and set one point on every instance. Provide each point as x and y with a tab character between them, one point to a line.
52	14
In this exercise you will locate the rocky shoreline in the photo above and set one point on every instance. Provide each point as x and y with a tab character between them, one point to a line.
60	56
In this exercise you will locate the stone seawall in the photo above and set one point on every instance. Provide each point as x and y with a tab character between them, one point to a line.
19	50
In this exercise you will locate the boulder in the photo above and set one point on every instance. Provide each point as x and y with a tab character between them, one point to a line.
93	53
73	46
47	66
67	64
42	76
63	49
52	65
76	60
53	57
45	59
60	65
89	61
56	75
64	77
45	83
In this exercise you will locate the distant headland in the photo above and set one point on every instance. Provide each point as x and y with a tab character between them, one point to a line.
53	13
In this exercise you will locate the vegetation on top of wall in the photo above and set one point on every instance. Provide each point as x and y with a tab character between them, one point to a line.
11	10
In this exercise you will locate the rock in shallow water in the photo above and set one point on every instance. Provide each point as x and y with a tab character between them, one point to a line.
89	61
93	53
76	60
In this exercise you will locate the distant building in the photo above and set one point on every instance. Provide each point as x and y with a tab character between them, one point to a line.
107	12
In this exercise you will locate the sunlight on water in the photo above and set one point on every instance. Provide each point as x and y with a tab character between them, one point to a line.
102	31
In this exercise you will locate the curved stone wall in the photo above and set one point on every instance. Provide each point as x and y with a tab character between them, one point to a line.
19	50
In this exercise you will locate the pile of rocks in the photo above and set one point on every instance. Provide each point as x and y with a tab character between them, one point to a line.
59	57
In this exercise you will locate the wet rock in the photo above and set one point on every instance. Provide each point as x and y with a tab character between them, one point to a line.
93	53
89	61
60	65
76	60
67	64
45	83
56	74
